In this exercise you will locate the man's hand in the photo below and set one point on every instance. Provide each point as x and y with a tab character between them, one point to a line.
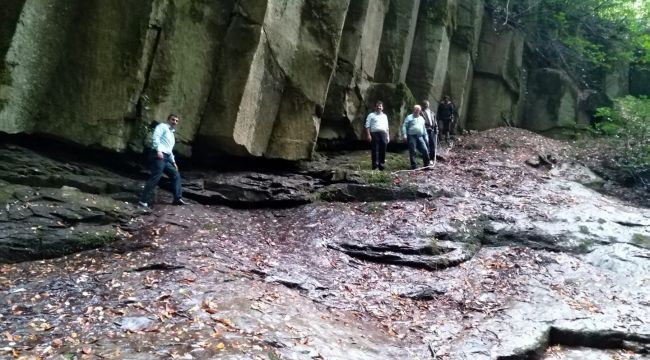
160	155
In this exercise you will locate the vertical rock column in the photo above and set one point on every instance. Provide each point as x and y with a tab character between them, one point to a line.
398	34
497	90
462	55
31	48
187	38
90	96
276	64
241	110
308	78
9	15
356	64
428	67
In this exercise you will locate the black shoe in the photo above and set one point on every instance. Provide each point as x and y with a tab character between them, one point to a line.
179	202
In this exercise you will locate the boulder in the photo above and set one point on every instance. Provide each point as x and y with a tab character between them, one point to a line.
37	223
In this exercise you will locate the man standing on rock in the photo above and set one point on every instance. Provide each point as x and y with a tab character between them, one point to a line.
431	124
415	133
162	160
377	135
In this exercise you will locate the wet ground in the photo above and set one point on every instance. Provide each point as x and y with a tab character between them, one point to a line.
509	261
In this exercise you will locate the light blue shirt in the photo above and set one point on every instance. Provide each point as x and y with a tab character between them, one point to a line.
163	139
414	126
377	122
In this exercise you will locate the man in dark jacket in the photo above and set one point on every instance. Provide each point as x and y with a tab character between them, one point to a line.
446	111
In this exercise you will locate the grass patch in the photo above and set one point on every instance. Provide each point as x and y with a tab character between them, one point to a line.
394	162
376	177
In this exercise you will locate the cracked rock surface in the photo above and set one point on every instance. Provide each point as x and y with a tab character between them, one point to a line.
538	267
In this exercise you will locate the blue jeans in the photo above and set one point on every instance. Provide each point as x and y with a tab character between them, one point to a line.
158	166
378	143
419	142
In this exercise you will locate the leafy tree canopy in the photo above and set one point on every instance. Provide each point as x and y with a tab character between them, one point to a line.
583	37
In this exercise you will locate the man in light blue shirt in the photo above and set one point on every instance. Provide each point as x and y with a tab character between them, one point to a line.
162	160
415	132
377	135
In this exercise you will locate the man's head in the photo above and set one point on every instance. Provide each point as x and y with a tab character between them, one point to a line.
446	98
425	104
172	120
416	110
379	106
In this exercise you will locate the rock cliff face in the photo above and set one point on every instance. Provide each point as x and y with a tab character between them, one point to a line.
261	78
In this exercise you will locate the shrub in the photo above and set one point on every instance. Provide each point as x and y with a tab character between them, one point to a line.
627	127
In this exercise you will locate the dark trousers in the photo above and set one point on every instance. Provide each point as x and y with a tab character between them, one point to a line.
418	141
433	142
446	127
158	166
378	143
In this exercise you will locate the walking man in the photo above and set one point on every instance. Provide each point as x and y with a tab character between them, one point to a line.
446	111
377	135
431	125
415	133
162	160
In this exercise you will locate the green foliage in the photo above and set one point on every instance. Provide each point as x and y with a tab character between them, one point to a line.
586	38
627	127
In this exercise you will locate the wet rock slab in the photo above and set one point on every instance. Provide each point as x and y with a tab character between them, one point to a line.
37	223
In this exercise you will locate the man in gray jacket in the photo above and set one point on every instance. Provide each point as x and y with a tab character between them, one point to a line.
414	131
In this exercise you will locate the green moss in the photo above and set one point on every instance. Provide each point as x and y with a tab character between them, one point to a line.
376	177
86	241
641	240
209	226
5	76
585	246
373	209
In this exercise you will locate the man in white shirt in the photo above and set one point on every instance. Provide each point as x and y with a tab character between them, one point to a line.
377	135
162	160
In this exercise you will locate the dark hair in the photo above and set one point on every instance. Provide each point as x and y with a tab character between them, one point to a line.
172	115
379	102
446	97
